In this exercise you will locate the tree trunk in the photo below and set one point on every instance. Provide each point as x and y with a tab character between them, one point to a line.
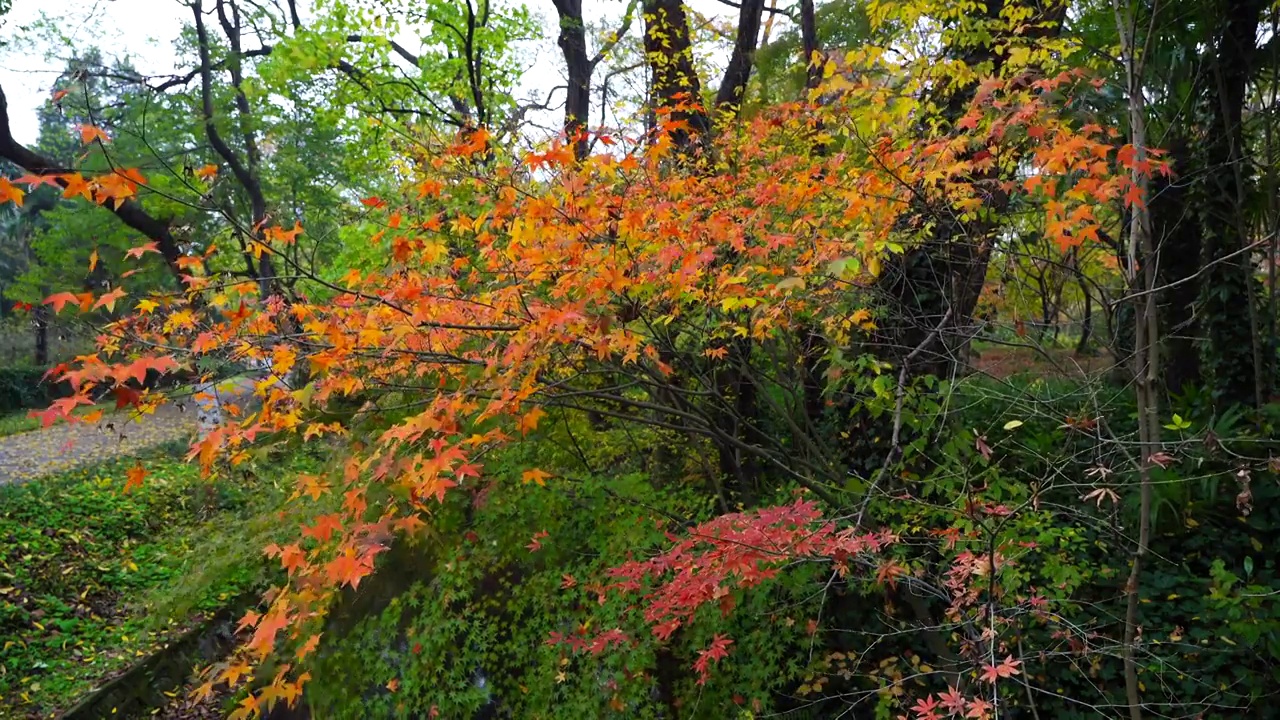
738	72
573	44
946	274
1086	320
1226	283
40	318
676	87
1142	280
1177	238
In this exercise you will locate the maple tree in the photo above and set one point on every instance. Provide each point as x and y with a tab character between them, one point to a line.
501	331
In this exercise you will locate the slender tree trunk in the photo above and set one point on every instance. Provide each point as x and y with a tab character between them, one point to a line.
40	319
1086	321
1142	264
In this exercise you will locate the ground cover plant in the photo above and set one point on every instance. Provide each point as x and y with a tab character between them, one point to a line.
94	577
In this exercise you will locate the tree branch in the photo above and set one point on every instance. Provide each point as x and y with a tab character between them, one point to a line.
129	212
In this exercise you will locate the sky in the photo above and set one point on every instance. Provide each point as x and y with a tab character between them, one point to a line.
146	28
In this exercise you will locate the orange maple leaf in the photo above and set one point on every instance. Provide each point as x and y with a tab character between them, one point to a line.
348	569
324	528
10	192
292	557
284	237
89	133
138	252
134	477
74	184
108	300
309	646
529	421
115	188
536	476
60	300
264	637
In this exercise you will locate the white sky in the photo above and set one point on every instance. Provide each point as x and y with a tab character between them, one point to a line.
146	29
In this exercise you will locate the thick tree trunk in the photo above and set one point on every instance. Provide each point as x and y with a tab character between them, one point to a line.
945	275
573	44
1176	235
676	87
1226	283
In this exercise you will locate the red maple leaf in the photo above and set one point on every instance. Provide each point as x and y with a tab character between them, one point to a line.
1006	669
125	395
718	651
926	709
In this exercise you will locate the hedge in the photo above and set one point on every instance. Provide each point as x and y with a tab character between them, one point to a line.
24	388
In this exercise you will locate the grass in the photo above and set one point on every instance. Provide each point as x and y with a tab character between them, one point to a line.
92	578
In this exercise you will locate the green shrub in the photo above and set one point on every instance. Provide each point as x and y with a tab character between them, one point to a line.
24	388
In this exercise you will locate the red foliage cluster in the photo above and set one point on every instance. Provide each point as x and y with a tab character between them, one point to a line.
734	551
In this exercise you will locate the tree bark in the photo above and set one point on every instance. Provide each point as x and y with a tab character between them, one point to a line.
1141	274
578	67
947	272
1226	285
1176	234
734	84
676	88
40	318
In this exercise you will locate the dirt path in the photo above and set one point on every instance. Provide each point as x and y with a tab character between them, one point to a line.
65	446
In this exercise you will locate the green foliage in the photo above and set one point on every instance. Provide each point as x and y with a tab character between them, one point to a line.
464	627
92	577
24	388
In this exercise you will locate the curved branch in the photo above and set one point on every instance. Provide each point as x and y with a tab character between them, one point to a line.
129	212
